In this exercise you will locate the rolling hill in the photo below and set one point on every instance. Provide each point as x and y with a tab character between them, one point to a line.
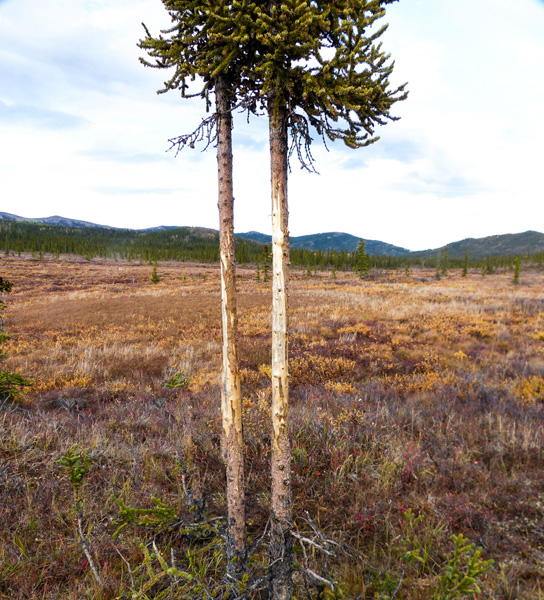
331	241
528	242
54	220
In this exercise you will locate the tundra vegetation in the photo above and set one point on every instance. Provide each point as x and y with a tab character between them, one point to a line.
416	415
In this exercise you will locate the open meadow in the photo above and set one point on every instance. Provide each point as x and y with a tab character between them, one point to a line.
410	397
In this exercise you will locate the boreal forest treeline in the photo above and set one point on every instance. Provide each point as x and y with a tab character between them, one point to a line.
199	245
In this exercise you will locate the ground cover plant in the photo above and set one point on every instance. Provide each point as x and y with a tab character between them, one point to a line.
417	408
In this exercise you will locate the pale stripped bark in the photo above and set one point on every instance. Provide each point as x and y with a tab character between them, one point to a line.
231	399
281	542
83	541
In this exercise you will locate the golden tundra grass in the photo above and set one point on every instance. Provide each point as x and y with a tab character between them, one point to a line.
406	393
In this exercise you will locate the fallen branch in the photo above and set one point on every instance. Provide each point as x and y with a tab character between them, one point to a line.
84	545
312	543
319	578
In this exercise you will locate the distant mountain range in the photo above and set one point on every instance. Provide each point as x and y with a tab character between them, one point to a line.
529	242
54	220
333	241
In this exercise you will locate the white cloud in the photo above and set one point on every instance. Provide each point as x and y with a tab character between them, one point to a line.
83	129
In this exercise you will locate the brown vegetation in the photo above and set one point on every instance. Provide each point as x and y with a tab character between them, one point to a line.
406	393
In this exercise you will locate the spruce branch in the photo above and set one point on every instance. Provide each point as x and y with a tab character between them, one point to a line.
206	132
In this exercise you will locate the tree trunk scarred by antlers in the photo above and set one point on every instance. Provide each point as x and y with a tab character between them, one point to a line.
231	398
281	542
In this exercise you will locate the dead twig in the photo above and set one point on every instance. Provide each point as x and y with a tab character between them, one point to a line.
398	586
84	545
127	564
319	578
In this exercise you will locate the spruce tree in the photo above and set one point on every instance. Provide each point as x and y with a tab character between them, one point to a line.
208	42
320	68
266	260
445	262
362	260
517	270
438	263
489	265
464	272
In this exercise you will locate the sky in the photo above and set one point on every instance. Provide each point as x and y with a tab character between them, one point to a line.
83	133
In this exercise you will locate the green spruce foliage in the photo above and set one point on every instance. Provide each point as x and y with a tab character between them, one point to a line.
266	263
445	262
76	463
321	66
210	45
362	262
10	383
463	571
489	266
517	271
437	274
464	272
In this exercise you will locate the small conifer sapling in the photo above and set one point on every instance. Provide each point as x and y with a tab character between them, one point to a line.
517	270
362	261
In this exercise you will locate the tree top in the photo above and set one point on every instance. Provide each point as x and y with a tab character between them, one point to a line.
319	61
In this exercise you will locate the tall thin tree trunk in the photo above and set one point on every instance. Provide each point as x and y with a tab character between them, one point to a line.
281	543
231	398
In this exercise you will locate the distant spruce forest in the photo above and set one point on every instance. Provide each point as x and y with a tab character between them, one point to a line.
202	245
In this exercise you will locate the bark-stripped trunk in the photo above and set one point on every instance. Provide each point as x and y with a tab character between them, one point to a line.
231	399
281	543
